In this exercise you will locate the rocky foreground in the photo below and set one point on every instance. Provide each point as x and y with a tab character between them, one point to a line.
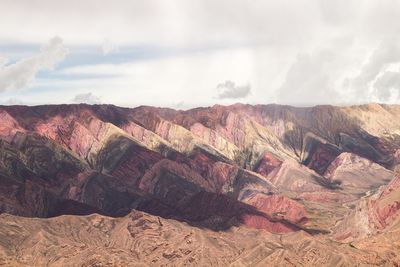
139	239
237	185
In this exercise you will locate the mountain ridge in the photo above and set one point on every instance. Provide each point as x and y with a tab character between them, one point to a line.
279	169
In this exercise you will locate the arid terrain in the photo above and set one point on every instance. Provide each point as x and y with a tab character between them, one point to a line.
239	185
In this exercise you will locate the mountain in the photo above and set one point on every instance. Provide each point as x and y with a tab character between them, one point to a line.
249	184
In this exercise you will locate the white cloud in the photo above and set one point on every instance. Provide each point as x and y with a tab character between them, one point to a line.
387	86
375	80
87	98
109	47
3	61
309	81
17	75
297	52
388	52
14	101
159	22
189	78
229	90
317	77
179	105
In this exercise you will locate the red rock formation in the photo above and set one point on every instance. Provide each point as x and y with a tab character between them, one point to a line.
384	206
279	207
267	164
109	158
393	186
322	156
134	164
8	126
373	214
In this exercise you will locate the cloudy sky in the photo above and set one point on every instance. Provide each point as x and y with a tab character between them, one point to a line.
186	53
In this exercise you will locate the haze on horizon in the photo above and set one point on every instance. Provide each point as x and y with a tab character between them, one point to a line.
183	53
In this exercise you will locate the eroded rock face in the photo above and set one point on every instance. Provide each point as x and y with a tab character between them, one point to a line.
267	164
321	156
8	127
373	214
384	206
351	170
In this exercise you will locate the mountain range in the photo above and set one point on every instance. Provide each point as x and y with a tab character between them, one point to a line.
239	185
